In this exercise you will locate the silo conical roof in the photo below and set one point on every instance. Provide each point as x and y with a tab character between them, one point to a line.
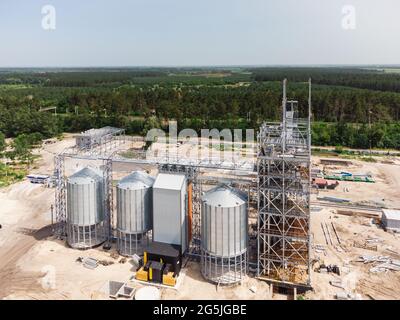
224	196
86	175
136	180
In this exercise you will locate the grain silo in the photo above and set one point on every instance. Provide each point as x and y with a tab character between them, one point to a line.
224	235
134	212
85	209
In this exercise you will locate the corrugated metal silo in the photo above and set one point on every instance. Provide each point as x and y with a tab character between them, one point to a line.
224	235
134	212
85	209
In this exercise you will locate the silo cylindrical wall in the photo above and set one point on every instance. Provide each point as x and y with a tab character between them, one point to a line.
134	209
224	236
86	209
224	230
86	203
134	212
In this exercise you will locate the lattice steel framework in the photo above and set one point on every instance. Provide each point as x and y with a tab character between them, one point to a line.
60	196
61	227
129	244
283	168
224	270
191	168
100	140
109	195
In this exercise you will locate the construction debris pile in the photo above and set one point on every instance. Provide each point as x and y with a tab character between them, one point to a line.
329	269
380	263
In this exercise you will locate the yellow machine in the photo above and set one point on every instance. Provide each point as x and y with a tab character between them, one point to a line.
169	279
142	275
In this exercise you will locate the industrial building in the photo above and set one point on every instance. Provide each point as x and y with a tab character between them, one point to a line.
38	178
89	139
195	209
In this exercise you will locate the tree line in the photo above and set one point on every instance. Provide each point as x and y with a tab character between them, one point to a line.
345	116
371	79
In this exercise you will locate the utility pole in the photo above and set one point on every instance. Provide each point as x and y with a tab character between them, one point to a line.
369	136
52	216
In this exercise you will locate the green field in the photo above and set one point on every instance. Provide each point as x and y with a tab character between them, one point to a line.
10	175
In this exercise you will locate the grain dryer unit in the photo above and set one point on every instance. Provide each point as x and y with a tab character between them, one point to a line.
85	209
170	223
224	235
134	212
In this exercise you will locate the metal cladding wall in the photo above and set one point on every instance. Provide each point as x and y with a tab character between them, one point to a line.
135	203
85	198
224	222
169	210
83	141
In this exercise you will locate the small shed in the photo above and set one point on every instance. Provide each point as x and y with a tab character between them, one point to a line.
320	183
332	184
391	219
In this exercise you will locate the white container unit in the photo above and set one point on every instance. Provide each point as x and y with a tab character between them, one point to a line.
170	210
134	212
85	208
391	219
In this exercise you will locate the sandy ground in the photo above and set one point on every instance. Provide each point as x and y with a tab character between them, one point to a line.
358	279
352	229
25	216
207	291
33	265
387	178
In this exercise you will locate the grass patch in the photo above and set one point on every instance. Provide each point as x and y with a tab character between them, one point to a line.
14	86
10	175
368	159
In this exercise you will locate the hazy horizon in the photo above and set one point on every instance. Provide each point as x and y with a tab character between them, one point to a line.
181	33
116	67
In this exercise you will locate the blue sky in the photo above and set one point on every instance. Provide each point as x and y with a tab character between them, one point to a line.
202	32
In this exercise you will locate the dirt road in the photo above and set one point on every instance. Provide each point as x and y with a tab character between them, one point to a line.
24	215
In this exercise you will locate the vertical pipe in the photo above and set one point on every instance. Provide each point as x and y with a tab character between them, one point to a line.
309	114
309	180
284	102
190	211
259	215
235	240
